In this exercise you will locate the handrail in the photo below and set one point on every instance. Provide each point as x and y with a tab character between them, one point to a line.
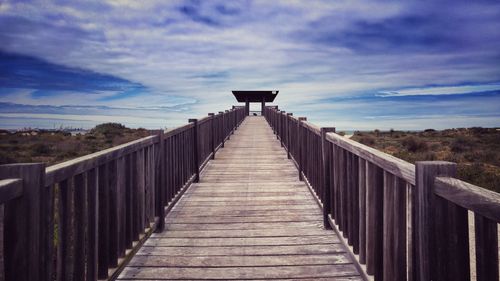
471	197
70	168
10	189
381	204
394	165
108	202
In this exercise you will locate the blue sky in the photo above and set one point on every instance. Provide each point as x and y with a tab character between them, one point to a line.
349	64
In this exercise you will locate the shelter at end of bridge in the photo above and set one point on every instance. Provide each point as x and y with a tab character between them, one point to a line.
255	96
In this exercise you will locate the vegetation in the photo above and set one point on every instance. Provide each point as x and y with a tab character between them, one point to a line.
475	150
54	147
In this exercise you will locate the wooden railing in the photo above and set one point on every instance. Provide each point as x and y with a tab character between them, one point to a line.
82	219
403	221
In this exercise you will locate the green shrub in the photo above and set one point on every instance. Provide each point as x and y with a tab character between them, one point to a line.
414	144
109	129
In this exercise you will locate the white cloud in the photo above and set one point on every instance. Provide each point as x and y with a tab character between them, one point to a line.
451	90
268	45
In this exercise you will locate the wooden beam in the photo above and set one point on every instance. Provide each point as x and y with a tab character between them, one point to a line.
326	160
474	198
23	222
440	230
195	150
10	189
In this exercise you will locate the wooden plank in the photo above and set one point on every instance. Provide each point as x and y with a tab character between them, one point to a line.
238	273
242	193
200	212
237	208
245	219
23	222
161	185
65	256
346	278
362	210
388	225
269	199
130	199
322	249
93	212
326	160
240	226
242	241
47	245
10	189
239	261
139	200
113	214
374	221
244	233
103	222
486	248
354	186
451	237
80	211
121	205
275	203
394	229
400	230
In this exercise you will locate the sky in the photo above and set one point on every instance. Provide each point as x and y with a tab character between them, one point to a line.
355	65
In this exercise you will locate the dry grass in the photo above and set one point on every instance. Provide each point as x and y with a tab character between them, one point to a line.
475	150
56	147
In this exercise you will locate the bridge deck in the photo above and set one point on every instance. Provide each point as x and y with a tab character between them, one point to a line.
249	217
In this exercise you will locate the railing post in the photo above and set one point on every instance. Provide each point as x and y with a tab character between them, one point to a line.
281	126
300	137
228	124
160	190
222	128
235	117
439	228
212	139
288	134
275	121
326	167
195	149
26	233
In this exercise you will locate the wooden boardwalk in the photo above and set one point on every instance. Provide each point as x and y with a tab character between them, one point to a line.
249	217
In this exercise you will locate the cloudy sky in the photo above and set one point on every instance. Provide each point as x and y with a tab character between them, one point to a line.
349	64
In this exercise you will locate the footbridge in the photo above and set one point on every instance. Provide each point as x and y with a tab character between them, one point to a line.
237	197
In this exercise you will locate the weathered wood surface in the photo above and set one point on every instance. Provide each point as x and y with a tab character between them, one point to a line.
10	189
248	218
479	200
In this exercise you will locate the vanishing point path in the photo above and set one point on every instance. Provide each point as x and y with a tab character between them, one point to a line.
248	218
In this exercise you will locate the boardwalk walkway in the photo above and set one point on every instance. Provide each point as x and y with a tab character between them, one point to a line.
249	217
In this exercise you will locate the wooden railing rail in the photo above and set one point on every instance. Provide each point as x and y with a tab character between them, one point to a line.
82	219
402	222
10	189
